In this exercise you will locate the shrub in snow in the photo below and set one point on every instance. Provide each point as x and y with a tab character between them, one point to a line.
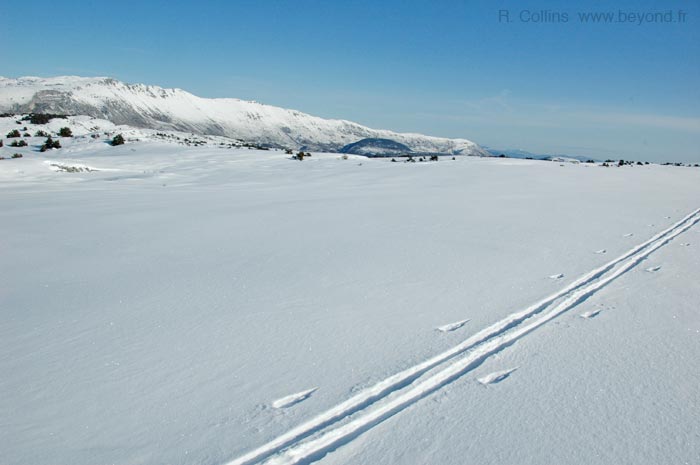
18	143
299	156
50	144
13	133
41	133
26	134
41	118
1	144
65	132
17	155
118	140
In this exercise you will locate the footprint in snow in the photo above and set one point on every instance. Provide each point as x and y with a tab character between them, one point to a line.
496	377
293	399
601	251
557	276
451	326
590	314
653	269
628	235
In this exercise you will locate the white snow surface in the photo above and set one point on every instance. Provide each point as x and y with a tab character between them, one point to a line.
175	109
217	305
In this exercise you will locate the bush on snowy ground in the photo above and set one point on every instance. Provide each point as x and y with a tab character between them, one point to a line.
65	132
19	143
50	144
13	133
118	140
41	118
41	133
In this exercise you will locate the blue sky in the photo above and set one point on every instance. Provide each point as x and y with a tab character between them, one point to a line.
450	68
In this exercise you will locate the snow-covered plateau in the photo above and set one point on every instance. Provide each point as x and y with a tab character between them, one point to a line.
172	301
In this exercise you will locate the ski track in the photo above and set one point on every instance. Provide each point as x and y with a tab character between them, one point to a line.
312	440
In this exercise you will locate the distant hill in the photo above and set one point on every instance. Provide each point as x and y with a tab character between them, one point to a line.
376	147
158	108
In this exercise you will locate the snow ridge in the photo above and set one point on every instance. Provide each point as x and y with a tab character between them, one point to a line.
350	418
158	108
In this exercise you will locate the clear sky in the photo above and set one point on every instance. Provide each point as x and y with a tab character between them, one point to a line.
527	75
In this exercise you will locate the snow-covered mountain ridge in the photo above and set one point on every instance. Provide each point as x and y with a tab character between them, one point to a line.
155	107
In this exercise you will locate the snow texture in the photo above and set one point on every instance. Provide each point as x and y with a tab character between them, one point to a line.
161	300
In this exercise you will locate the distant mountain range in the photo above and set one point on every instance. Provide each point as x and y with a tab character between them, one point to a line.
154	107
517	153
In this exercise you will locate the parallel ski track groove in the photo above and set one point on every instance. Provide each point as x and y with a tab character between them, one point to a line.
297	444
